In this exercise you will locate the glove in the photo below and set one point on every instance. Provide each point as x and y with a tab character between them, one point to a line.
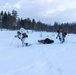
56	37
15	36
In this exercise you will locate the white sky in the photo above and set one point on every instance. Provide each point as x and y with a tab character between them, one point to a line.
47	11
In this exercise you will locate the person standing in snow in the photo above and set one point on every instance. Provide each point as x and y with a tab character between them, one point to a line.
61	35
22	35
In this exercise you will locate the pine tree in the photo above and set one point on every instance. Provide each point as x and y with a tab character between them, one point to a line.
5	20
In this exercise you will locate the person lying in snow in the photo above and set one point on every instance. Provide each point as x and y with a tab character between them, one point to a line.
46	41
22	35
61	35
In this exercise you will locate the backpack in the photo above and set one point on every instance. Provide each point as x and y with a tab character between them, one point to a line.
64	34
24	35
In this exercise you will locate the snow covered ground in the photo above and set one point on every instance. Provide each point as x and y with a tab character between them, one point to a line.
38	59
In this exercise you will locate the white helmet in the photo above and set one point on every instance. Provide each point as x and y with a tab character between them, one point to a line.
22	30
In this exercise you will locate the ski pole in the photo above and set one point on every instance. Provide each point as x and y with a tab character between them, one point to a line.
12	41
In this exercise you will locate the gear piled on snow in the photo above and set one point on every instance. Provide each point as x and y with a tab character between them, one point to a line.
46	41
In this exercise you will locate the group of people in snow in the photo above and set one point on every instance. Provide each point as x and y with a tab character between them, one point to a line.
61	34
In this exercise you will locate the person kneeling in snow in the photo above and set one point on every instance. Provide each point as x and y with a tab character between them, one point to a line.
22	35
46	41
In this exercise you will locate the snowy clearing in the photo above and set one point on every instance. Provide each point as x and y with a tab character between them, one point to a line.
38	59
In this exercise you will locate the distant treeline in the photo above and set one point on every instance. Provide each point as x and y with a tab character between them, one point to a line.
13	22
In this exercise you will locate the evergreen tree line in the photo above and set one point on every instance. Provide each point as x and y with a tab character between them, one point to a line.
12	21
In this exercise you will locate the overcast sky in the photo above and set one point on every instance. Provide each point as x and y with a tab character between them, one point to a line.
47	11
